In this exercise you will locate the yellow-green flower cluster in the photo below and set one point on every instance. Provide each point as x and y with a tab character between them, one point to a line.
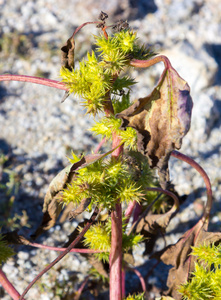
98	78
115	50
205	281
98	237
136	297
106	127
104	182
89	81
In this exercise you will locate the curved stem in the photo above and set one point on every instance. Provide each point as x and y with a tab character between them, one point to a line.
172	195
75	242
206	179
38	80
84	24
173	210
139	275
150	62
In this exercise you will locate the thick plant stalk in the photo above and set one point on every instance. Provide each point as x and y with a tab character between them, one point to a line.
6	284
116	254
116	238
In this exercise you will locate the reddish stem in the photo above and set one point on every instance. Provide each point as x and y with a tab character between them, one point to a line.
6	284
139	275
116	254
170	194
38	80
119	149
137	212
173	209
84	24
130	210
116	237
206	179
63	249
150	62
80	290
123	273
100	145
75	242
204	221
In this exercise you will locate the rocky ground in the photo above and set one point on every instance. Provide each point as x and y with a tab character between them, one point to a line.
37	131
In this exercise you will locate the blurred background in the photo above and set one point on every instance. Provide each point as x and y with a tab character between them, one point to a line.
37	131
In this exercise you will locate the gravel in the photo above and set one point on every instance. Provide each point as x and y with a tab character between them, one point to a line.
38	132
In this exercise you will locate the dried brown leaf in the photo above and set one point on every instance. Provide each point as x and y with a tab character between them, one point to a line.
152	224
67	54
13	238
161	120
81	208
53	201
179	255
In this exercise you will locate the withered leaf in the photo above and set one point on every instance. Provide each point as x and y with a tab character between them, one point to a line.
161	120
128	258
151	225
65	213
13	238
67	54
53	203
179	256
81	208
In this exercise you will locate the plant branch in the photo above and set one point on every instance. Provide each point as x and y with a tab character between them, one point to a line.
129	210
139	275
38	80
75	242
206	179
75	250
83	25
80	290
150	62
174	208
6	284
100	145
